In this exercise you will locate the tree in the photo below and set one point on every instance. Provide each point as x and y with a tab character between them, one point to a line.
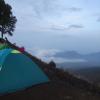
7	20
52	64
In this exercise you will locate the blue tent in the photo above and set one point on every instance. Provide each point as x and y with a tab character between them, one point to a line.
17	71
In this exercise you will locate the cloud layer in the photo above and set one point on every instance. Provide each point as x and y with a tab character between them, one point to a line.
57	24
40	15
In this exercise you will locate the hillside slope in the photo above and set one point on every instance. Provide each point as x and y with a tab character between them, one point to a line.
92	74
62	86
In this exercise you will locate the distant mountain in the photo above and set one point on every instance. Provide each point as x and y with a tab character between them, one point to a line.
68	54
86	60
76	55
89	69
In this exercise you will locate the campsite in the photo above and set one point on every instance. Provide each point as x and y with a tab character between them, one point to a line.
33	43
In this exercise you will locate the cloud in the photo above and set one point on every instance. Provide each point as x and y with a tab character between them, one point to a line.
37	15
58	27
66	27
43	8
52	8
49	54
97	16
41	53
74	9
98	20
75	26
63	60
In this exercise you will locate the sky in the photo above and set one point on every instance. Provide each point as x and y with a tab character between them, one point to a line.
45	27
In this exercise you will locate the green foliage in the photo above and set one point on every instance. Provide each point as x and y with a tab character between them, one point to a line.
7	20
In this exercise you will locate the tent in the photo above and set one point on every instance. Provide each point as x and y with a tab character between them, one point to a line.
17	71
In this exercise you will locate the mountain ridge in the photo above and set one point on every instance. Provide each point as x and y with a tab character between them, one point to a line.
75	54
